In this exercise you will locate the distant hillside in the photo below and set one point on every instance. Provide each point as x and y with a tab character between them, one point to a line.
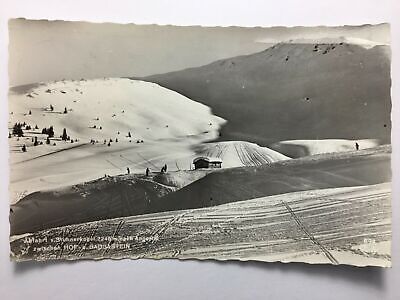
294	91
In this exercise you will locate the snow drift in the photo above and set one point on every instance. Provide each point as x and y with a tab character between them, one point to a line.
300	148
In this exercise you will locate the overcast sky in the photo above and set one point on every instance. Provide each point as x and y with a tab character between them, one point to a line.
53	50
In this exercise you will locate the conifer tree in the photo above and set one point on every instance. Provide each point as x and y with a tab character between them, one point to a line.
50	131
64	136
17	130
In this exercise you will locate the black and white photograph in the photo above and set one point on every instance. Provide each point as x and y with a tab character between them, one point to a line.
191	142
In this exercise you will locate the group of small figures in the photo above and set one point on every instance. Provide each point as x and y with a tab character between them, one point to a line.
163	170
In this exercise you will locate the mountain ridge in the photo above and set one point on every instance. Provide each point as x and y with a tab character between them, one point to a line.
294	87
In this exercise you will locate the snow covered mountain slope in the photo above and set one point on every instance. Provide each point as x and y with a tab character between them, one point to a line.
112	124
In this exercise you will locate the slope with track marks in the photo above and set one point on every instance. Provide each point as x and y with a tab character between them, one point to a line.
350	225
237	154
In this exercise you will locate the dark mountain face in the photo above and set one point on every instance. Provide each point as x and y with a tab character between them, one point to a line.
294	91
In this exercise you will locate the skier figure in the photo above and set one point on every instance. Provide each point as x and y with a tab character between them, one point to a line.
128	170
165	168
357	146
147	171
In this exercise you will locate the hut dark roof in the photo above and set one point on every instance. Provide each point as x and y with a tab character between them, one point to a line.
208	159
